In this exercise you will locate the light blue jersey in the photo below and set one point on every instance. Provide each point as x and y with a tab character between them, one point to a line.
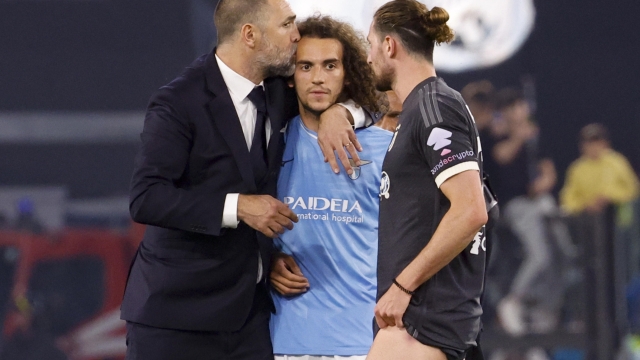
335	243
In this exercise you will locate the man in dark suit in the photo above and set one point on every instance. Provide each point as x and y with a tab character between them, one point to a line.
204	182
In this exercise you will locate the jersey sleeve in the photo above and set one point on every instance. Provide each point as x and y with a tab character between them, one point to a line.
447	146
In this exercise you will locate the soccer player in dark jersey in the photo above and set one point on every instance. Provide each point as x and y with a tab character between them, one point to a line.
431	257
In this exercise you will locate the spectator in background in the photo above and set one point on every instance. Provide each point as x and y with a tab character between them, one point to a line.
599	186
524	172
601	176
599	193
526	180
479	96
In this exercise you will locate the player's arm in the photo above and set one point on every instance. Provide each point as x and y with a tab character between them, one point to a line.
461	223
286	277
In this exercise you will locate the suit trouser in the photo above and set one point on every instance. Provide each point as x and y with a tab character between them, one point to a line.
251	342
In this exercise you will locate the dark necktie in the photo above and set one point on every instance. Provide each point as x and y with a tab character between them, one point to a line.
258	151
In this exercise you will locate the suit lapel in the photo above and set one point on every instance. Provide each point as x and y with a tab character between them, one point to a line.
275	117
277	105
225	117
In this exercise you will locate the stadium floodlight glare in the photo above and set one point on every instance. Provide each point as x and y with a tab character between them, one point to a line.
487	32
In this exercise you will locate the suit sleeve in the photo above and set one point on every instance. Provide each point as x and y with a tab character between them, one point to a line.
158	197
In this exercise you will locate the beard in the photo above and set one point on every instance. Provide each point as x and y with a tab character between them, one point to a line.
315	112
385	79
276	61
310	110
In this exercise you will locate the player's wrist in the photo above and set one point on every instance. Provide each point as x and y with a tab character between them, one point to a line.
245	207
339	111
402	288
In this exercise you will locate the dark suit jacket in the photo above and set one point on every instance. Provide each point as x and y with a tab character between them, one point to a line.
190	273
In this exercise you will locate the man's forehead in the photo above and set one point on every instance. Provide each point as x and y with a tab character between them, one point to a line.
371	34
319	49
283	6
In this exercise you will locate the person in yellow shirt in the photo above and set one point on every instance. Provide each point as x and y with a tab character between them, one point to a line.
601	176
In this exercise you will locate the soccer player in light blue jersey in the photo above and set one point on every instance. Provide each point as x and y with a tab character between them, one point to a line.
325	275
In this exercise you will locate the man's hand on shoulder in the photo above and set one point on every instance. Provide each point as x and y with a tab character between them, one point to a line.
336	136
265	214
286	276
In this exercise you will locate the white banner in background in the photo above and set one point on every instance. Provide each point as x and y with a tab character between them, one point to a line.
488	32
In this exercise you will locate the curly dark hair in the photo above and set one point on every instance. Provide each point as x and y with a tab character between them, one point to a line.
359	79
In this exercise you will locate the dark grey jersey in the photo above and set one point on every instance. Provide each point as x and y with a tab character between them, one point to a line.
436	138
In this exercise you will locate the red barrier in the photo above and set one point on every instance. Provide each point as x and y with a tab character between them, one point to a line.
65	286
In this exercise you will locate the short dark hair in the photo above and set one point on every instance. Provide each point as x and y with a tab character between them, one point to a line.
418	28
479	92
231	14
358	75
594	132
508	97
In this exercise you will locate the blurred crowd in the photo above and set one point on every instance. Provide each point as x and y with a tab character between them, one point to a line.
548	231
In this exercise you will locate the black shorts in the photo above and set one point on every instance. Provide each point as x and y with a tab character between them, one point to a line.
423	338
453	331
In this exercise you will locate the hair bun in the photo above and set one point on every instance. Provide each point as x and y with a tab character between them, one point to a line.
437	16
436	25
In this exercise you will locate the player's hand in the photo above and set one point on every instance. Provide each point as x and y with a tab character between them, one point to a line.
286	276
336	136
265	214
391	307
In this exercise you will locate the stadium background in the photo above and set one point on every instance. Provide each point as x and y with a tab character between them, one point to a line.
75	77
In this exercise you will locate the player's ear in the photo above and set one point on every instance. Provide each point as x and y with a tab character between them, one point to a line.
291	83
250	35
391	46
